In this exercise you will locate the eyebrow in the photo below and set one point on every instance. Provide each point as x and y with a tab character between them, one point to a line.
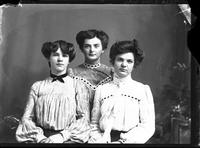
92	44
124	59
55	52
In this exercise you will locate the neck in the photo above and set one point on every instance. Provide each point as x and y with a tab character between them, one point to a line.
125	79
58	73
92	62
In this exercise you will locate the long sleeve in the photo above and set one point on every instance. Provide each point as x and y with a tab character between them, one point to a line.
27	130
79	129
146	127
95	129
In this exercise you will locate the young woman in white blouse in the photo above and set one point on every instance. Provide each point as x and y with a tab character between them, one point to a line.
50	113
123	109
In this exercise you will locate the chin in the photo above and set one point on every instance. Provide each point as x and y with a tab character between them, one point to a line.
60	70
92	58
122	75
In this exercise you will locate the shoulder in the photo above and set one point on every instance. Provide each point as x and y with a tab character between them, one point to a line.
143	90
36	84
106	69
105	87
104	91
140	89
139	84
73	81
76	70
69	79
40	83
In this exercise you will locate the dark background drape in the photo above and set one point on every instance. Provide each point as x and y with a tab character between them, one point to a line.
160	29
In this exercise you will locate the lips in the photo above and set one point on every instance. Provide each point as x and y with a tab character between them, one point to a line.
123	70
92	54
59	64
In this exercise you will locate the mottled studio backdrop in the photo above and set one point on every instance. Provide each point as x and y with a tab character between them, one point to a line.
160	29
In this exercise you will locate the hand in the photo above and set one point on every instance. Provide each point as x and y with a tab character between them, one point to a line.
106	138
57	138
123	137
46	140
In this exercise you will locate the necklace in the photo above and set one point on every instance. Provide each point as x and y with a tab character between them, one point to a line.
92	66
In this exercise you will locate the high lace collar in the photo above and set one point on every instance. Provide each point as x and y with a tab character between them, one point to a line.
118	81
92	66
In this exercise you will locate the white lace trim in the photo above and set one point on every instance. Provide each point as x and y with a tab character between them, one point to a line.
90	66
122	94
85	81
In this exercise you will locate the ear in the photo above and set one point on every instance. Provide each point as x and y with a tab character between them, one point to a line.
102	51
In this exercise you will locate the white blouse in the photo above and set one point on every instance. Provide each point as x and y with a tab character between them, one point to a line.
52	106
125	106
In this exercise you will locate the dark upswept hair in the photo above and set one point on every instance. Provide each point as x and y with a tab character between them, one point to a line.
66	48
121	47
89	34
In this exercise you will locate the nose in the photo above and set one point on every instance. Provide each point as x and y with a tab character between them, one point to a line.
91	49
124	64
60	58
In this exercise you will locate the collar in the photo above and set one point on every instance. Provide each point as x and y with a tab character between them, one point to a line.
92	66
59	78
119	82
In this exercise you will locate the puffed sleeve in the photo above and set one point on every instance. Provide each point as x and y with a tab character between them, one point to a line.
77	132
96	134
146	127
79	129
27	130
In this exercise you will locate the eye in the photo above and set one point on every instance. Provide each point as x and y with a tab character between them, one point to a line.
86	46
55	54
119	59
65	55
96	45
130	61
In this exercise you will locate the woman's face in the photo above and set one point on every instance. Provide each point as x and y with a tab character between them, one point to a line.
92	49
123	64
59	62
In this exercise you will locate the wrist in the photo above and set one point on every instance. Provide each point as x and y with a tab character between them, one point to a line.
41	141
65	134
122	141
123	138
40	138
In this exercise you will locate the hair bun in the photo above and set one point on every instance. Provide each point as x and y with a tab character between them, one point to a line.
47	44
45	48
136	46
135	43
